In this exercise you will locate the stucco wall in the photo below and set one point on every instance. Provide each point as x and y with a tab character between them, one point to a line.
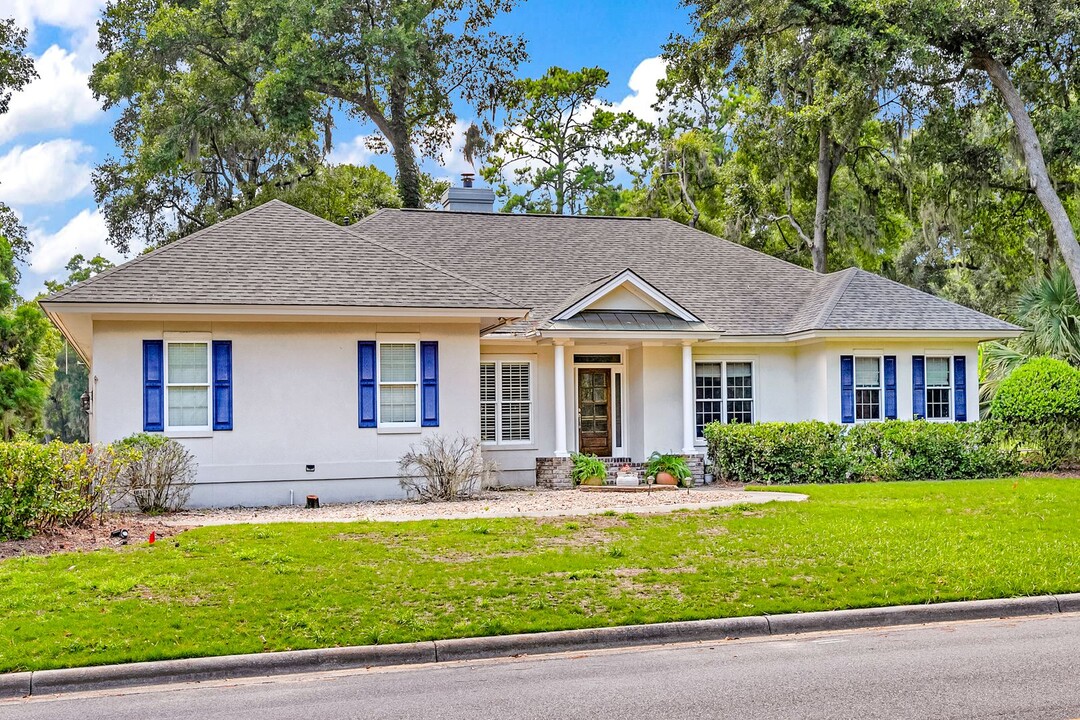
295	404
295	400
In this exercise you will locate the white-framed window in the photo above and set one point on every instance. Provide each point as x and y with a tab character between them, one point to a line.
187	385
723	392
938	388
506	401
868	388
399	395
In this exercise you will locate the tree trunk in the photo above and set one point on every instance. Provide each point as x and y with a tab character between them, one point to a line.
829	156
1035	164
408	173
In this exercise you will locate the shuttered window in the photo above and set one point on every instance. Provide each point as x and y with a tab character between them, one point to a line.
506	401
938	388
397	384
867	388
187	386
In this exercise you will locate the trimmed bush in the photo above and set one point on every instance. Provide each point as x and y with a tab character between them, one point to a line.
777	453
43	487
1040	402
818	452
160	474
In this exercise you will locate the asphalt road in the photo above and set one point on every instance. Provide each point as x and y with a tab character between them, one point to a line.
1027	668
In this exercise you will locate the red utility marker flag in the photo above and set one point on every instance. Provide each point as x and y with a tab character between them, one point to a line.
152	537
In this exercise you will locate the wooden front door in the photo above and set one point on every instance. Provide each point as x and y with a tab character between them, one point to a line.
594	411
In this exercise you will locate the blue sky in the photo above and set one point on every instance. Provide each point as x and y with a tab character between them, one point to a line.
55	132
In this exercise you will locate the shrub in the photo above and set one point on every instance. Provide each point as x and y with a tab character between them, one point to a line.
160	473
587	467
1040	402
674	465
817	452
777	453
443	468
45	486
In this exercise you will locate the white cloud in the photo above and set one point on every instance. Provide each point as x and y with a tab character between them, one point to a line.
76	15
58	100
85	233
643	94
354	152
49	172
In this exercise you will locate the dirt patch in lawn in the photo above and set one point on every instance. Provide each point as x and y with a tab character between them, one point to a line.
95	537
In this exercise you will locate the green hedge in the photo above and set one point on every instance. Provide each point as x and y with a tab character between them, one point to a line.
818	452
55	485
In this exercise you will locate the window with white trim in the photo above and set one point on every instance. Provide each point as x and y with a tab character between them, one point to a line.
868	390
723	392
506	401
398	380
187	386
938	388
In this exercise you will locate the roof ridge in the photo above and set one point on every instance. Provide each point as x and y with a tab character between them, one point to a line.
347	229
436	268
160	248
826	310
499	213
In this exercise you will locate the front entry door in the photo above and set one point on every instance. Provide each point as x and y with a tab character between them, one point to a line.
594	411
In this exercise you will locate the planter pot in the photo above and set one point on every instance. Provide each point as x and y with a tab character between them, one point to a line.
663	478
593	481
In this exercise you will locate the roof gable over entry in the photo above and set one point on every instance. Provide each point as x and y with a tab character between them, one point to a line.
627	292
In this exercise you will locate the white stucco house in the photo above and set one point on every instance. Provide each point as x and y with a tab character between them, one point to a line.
295	356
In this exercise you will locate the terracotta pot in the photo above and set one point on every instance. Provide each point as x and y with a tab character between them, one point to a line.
593	481
664	478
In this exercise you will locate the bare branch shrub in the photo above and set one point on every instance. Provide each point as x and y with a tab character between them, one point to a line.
160	474
444	468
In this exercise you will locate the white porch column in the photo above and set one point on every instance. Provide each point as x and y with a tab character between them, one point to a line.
560	401
688	398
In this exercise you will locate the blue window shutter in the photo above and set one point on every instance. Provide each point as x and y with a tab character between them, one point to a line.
890	387
960	388
223	405
847	388
918	387
366	379
153	353
429	383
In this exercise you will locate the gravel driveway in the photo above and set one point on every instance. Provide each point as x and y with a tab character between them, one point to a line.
504	503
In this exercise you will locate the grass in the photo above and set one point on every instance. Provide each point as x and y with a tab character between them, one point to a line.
251	588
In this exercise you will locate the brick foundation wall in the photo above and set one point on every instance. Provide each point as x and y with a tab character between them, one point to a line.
554	472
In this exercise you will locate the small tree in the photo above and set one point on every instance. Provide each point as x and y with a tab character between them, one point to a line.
1040	400
444	468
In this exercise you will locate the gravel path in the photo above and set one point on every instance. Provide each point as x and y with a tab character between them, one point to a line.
505	503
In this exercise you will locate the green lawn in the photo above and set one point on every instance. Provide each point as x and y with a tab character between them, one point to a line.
251	588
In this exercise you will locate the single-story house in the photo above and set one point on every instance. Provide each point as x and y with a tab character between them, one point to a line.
296	356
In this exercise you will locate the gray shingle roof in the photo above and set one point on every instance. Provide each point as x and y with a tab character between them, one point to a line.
276	254
628	320
545	262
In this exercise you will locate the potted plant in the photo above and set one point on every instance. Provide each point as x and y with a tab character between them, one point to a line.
588	470
668	469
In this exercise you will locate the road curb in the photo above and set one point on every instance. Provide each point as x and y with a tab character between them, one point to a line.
230	667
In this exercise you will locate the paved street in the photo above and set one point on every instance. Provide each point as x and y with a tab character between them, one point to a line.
1026	668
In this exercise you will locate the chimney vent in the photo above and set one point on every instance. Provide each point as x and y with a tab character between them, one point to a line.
468	198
